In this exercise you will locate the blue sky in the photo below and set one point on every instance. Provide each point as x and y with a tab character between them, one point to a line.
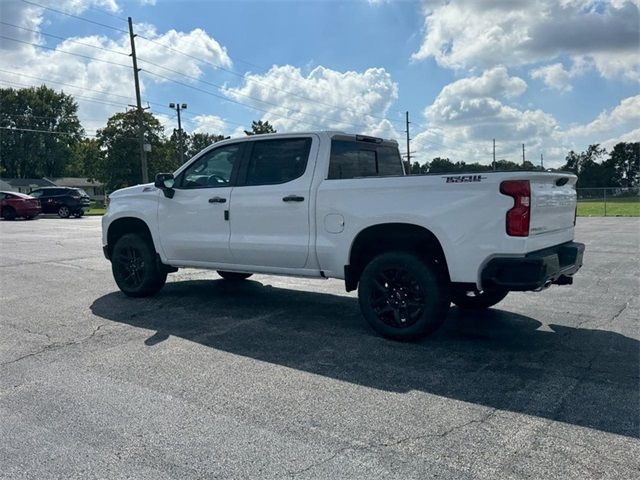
554	74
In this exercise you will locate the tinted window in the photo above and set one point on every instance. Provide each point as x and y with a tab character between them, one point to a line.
213	169
277	161
37	193
357	159
3	196
389	162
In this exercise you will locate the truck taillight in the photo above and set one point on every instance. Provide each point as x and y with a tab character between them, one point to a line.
518	216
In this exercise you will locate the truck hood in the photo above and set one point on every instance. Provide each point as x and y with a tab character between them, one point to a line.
135	190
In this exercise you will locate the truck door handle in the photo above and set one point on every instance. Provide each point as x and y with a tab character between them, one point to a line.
217	200
293	198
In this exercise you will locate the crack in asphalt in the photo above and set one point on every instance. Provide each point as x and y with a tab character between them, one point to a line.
54	346
372	447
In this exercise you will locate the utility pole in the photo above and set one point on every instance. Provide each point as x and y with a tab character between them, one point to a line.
408	147
177	107
541	161
494	153
523	154
139	110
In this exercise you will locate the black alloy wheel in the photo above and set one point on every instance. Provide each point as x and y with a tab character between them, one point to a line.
396	297
131	262
134	266
404	296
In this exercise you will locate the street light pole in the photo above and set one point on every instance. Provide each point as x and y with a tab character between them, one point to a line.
177	107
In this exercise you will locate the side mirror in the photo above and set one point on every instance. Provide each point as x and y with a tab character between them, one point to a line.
165	182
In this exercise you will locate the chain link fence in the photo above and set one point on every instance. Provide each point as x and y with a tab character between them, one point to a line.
609	202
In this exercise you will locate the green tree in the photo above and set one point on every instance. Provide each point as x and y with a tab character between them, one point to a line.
85	159
119	142
260	127
624	160
25	153
441	165
200	141
507	165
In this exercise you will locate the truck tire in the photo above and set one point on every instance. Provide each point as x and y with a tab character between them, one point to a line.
402	296
234	276
134	266
477	300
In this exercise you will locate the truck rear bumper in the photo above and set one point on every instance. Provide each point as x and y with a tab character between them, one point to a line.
536	270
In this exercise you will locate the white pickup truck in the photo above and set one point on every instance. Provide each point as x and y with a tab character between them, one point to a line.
335	205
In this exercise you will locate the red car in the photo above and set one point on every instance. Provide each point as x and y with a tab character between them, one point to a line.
14	204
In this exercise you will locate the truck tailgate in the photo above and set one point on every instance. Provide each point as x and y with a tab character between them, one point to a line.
553	203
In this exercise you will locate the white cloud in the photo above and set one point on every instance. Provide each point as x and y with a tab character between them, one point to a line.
351	101
467	34
208	124
467	115
631	137
554	76
89	74
624	116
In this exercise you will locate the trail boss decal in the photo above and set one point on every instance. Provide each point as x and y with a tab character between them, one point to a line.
464	178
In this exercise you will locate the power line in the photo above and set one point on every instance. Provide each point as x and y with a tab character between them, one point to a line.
66	84
273	87
196	58
221	88
65	39
81	97
104	12
65	52
75	16
193	87
51	132
108	94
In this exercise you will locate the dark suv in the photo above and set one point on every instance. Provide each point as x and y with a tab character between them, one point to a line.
64	201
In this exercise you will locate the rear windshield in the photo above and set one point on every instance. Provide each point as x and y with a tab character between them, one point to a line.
350	159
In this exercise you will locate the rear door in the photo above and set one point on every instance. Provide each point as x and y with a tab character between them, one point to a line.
269	210
553	205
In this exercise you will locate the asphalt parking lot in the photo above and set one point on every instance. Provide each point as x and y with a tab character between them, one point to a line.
280	377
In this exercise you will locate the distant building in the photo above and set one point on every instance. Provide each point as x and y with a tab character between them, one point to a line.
93	188
4	186
25	185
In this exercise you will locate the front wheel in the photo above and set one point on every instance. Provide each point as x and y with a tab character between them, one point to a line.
402	296
64	212
234	276
134	266
473	300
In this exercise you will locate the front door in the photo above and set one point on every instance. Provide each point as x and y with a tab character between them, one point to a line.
193	225
269	213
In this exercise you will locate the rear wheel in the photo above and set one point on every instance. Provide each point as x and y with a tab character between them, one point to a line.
134	266
8	213
473	300
234	276
64	212
402	296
